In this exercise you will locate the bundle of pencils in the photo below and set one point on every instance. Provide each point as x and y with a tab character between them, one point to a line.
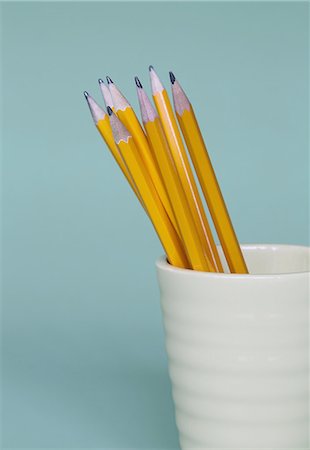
155	162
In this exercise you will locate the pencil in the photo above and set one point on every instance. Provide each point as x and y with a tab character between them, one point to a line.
157	140
102	123
207	178
181	161
157	213
126	114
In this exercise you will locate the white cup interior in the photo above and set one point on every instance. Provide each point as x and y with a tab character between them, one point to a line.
274	259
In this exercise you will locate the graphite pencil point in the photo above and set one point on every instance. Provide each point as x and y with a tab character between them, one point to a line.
109	80
151	68
172	77
109	110
138	83
86	94
100	80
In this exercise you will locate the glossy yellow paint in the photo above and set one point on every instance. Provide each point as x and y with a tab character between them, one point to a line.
105	130
212	191
184	170
157	213
131	122
189	234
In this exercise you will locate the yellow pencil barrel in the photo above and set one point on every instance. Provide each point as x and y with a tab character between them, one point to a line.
105	130
211	191
129	119
179	155
189	234
158	215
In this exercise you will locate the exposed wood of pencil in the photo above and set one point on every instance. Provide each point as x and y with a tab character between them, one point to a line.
178	152
157	213
126	114
102	123
157	139
106	94
208	180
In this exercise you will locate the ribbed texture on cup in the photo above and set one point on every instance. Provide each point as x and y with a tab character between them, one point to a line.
238	360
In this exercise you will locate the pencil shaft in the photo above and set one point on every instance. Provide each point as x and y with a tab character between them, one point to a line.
102	122
212	191
189	234
178	152
158	215
105	130
131	122
126	114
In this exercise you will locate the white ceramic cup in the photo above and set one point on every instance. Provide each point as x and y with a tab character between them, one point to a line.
238	351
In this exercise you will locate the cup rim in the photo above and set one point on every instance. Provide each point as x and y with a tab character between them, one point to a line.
162	264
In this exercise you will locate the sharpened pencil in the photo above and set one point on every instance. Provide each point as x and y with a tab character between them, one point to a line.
126	114
182	164
164	173
186	224
157	213
102	123
207	178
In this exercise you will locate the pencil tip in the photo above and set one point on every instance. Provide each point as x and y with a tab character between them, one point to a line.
100	80
172	77
109	80
138	83
86	94
151	68
110	112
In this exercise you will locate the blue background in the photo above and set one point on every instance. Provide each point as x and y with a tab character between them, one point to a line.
83	359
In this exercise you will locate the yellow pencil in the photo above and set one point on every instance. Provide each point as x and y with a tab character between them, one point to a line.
102	123
157	140
126	114
181	161
207	179
157	213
